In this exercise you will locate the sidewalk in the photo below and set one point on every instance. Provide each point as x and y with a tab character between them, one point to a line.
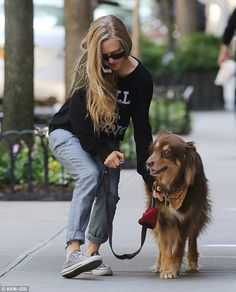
32	233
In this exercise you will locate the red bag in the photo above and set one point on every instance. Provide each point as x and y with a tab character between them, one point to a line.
149	218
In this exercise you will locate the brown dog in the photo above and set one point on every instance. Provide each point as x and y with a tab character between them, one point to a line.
181	194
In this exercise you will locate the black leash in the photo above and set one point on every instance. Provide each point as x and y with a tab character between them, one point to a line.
128	256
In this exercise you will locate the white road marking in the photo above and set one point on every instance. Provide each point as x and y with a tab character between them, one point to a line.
230	209
218	245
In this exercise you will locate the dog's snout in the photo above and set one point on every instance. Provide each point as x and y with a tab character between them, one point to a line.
149	163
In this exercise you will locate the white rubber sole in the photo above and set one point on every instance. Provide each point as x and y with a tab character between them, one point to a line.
96	272
89	264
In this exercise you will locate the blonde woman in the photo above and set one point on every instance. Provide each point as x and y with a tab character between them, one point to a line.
110	86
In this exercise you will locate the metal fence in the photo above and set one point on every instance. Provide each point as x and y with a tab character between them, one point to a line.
12	143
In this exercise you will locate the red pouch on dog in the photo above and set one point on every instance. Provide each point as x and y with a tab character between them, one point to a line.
149	218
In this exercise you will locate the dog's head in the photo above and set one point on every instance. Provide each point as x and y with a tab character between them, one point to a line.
172	160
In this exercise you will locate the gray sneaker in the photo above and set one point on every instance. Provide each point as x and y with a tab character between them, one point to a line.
102	270
78	263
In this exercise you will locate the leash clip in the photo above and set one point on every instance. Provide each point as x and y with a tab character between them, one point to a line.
167	202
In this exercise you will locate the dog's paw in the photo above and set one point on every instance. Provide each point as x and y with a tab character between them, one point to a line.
156	268
170	275
192	267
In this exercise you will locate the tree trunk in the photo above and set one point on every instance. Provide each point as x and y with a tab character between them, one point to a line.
186	16
168	18
136	30
78	16
18	99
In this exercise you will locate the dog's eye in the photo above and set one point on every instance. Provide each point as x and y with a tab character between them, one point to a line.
167	153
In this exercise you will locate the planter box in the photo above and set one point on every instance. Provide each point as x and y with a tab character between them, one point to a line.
206	95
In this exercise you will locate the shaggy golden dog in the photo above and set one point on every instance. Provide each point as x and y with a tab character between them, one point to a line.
181	194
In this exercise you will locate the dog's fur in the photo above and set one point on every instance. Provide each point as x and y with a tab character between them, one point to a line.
174	162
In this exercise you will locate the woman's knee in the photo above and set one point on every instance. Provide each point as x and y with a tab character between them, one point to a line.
91	175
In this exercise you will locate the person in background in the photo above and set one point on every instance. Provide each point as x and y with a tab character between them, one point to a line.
109	88
226	39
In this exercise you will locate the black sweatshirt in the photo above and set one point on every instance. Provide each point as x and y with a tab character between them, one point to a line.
134	94
230	29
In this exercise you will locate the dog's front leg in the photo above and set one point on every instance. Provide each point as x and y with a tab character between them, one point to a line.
168	271
178	253
156	268
169	267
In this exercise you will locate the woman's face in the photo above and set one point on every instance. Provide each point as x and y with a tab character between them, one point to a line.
113	54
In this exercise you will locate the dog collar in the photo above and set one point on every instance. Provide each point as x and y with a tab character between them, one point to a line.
175	199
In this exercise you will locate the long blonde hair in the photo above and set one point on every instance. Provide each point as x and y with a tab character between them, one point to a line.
100	87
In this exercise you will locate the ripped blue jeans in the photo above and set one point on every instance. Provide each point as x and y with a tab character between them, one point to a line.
88	205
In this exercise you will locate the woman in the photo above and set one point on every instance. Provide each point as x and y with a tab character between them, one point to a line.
108	88
226	38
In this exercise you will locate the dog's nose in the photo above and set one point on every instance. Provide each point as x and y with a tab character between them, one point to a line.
149	163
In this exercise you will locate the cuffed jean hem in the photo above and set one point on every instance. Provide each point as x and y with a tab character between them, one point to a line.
96	240
75	236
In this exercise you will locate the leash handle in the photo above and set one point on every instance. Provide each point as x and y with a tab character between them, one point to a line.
128	256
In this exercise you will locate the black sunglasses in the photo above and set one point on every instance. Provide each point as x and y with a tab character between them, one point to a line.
114	56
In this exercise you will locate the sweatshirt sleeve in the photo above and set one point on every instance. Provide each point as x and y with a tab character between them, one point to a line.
142	128
82	127
230	29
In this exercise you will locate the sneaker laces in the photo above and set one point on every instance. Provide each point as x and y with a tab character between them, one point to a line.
79	255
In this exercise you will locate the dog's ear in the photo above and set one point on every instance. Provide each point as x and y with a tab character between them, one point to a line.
190	159
151	147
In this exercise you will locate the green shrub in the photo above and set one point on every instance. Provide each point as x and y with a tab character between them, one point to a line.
169	115
152	56
127	146
197	51
21	154
4	165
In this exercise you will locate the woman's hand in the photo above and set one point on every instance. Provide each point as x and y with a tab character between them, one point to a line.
223	55
114	159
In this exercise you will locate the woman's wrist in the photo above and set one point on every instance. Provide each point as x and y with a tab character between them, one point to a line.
223	55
